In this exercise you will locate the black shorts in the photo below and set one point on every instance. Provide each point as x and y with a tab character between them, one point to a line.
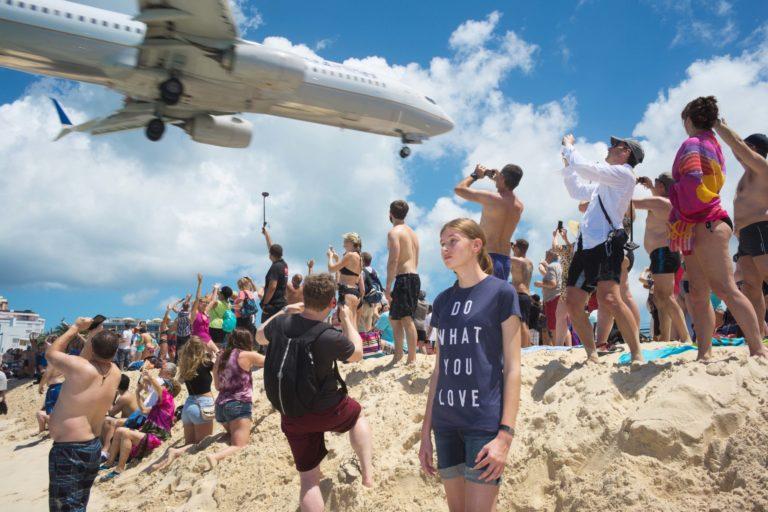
217	335
246	322
268	310
405	296
525	306
72	468
421	335
753	239
345	289
590	266
664	261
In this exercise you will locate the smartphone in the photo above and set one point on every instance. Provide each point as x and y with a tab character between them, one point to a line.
97	321
559	225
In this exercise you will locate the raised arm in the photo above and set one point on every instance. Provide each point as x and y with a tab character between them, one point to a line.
166	318
267	238
56	353
196	304
577	188
310	266
214	299
464	191
753	161
601	172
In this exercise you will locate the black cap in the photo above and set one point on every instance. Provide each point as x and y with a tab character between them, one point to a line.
759	141
634	147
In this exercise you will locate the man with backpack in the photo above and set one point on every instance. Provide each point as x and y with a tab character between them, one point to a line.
302	382
374	293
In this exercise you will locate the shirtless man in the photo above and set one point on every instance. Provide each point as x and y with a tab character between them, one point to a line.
294	290
91	380
522	270
402	267
664	262
54	379
501	211
750	213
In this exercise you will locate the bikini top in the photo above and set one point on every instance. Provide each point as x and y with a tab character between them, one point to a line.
347	272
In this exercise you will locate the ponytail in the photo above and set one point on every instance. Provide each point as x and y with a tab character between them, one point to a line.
473	231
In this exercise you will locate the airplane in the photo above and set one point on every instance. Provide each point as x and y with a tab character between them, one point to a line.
183	63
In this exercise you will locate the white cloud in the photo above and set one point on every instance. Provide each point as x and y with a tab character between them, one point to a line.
246	15
323	44
139	297
474	34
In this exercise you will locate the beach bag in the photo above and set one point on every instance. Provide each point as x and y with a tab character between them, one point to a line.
248	307
374	292
228	321
617	239
290	378
371	342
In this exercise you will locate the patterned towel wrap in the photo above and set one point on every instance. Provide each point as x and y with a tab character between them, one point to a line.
681	236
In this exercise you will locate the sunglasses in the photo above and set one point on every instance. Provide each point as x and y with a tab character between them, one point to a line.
620	145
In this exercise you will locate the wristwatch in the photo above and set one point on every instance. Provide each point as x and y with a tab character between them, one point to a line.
474	176
506	428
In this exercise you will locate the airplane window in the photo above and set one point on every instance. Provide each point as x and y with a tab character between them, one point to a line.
32	7
138	30
127	28
57	12
314	69
45	10
9	2
117	26
81	18
105	24
93	20
21	4
430	100
69	15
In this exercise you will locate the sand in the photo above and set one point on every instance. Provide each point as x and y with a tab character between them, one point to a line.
673	435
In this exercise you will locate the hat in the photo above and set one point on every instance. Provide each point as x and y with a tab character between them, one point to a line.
666	178
760	143
634	147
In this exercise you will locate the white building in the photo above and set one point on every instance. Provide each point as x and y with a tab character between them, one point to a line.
17	326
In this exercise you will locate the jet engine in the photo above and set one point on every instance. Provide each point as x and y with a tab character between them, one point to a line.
262	67
224	130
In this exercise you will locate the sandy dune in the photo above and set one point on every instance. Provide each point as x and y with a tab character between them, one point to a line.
675	435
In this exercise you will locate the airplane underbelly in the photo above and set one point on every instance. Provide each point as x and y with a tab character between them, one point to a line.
47	52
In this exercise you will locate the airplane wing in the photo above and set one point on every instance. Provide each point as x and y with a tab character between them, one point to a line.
202	21
133	115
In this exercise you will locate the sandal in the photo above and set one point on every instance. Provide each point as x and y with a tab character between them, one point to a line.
109	476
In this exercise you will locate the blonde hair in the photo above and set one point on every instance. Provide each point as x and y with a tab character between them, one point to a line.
354	239
473	231
246	283
192	356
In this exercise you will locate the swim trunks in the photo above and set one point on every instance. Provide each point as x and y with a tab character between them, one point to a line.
502	264
405	296
51	397
590	266
753	239
664	261
525	306
72	468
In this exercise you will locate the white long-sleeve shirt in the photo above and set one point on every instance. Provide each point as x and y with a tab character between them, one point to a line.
585	181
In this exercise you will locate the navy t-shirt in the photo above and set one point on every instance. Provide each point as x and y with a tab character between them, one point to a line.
470	381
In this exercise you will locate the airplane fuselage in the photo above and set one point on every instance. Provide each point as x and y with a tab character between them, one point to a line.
78	42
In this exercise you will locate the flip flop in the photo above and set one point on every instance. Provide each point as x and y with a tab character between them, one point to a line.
611	349
102	467
109	476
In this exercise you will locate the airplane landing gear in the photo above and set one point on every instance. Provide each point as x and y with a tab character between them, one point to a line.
155	129
171	91
405	152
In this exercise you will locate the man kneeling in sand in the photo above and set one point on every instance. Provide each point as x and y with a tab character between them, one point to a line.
75	424
305	419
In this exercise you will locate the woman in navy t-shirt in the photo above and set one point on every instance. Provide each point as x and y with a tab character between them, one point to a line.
474	393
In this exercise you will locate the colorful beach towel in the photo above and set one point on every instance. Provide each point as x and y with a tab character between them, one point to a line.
727	342
659	353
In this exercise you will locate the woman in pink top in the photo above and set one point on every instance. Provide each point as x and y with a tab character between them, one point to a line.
200	319
699	227
232	378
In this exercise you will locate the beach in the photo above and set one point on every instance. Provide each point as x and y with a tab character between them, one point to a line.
672	434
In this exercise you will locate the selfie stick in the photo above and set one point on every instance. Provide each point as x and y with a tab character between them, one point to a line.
264	196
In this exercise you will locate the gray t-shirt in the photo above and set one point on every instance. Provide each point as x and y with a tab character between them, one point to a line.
554	273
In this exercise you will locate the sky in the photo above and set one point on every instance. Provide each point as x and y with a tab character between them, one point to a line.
120	226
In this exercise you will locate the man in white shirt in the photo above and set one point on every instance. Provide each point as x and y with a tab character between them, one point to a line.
599	253
123	357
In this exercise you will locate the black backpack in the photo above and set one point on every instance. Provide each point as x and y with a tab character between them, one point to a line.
290	377
374	292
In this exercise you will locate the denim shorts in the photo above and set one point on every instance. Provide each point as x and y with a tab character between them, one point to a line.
191	412
456	452
233	410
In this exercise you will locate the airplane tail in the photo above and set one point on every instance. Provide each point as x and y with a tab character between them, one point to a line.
65	122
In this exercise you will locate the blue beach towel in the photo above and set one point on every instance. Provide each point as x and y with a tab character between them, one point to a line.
659	353
727	342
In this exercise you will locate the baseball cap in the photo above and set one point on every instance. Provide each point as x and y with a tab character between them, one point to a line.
634	147
760	142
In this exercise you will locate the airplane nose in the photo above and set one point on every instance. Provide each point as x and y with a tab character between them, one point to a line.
445	124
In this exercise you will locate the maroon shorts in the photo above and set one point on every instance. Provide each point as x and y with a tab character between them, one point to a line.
592	304
550	311
306	433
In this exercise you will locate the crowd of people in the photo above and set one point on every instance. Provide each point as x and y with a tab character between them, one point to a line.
476	328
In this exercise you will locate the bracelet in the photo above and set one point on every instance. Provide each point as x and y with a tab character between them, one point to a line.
506	428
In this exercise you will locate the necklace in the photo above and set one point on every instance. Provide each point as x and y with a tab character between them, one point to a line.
98	369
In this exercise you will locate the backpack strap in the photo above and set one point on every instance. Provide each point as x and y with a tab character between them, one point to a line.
311	335
602	207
